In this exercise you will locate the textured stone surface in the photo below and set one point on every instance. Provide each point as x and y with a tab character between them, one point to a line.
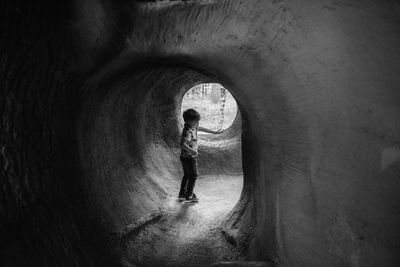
89	100
188	234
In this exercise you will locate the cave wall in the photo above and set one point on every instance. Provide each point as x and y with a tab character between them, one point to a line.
317	85
39	222
319	88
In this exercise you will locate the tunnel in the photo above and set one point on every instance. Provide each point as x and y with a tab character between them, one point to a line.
91	95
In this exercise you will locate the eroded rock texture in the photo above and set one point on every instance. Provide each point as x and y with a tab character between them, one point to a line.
90	99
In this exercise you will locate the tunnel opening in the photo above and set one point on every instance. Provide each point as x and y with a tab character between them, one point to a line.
214	102
130	155
318	94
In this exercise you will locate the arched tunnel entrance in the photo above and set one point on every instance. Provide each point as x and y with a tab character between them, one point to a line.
194	232
90	96
129	149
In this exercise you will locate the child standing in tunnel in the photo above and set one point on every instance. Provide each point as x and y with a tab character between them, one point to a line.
189	146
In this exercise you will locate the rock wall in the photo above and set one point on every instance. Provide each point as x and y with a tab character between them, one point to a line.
90	99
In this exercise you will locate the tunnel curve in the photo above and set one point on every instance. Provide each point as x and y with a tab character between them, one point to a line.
129	144
89	97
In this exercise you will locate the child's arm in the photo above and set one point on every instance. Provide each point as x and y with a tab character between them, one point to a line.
202	129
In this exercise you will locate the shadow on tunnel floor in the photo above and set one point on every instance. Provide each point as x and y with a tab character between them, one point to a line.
189	234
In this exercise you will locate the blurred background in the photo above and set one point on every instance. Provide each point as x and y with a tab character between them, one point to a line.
215	104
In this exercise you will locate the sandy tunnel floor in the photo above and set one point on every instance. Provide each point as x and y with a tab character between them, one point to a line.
189	234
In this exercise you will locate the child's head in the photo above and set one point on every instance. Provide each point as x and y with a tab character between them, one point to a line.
191	117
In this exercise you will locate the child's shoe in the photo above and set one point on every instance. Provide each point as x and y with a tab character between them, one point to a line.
192	198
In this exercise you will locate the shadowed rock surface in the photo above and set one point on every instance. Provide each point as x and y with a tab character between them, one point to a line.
188	234
90	99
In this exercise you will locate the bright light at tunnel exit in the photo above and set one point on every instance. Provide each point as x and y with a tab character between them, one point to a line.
216	105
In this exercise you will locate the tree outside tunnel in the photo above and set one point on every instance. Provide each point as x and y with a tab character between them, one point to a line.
216	105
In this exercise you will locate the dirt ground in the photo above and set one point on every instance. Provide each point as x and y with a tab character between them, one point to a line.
188	234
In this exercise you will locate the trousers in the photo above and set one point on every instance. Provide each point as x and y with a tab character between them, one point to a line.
190	174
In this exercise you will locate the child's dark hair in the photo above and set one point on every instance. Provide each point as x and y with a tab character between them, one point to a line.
191	115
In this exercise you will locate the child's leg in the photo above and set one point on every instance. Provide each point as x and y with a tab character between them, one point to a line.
186	173
192	176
